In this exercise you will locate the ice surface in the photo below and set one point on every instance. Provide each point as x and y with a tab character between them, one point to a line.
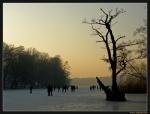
81	100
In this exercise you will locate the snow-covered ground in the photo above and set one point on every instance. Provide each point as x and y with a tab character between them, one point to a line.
81	100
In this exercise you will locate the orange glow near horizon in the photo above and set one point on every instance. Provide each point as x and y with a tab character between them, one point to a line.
57	29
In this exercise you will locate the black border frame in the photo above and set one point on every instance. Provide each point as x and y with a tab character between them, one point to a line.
70	1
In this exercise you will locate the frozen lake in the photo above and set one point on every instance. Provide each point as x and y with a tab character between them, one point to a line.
81	100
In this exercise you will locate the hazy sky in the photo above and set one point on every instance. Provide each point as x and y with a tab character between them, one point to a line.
57	29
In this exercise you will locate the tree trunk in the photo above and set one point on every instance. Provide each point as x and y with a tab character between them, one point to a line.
112	95
114	81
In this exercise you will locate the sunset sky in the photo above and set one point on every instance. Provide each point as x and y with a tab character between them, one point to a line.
57	29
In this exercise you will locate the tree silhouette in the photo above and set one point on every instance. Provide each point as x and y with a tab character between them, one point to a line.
137	69
23	68
117	52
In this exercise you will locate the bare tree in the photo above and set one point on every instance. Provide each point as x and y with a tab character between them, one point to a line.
117	52
137	69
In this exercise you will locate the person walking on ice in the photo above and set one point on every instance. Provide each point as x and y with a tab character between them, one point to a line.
50	90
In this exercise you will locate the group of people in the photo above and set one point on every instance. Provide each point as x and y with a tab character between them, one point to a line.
64	88
51	88
93	87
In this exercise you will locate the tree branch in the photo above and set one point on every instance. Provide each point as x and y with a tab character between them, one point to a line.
105	59
137	76
129	60
98	33
121	69
126	45
94	23
103	11
107	36
113	24
110	12
118	12
99	41
123	64
105	14
119	38
100	20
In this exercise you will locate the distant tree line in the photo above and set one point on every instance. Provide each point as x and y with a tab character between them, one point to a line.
24	67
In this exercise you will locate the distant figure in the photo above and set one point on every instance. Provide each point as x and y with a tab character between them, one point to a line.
31	89
50	90
73	88
65	88
92	87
